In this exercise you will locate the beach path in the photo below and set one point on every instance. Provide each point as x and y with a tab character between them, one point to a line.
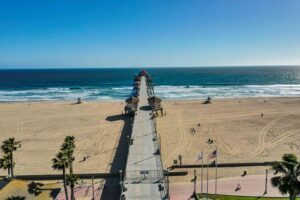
253	185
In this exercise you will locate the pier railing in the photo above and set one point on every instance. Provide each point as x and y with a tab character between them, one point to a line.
164	191
152	175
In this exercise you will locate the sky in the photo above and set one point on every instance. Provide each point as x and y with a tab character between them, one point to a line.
148	33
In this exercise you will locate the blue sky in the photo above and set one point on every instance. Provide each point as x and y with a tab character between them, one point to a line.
142	33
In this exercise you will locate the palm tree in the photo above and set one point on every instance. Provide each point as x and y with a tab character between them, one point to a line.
60	162
8	147
69	147
288	180
5	164
70	142
72	179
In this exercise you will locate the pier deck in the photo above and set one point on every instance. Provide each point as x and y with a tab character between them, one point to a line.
144	177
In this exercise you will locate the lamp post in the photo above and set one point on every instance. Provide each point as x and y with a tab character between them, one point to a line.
180	159
168	185
93	188
128	138
121	181
195	181
266	183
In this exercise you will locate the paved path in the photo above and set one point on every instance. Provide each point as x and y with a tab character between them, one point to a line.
253	185
144	170
82	192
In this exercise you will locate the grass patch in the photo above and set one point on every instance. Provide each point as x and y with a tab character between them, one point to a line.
231	197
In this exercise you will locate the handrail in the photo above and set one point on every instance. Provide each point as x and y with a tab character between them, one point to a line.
159	164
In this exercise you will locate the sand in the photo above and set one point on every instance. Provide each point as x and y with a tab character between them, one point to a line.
42	126
239	132
236	125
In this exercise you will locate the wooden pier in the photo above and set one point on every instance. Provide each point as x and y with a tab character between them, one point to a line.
144	176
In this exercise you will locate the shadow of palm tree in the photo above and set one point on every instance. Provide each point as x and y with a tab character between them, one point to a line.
35	188
54	193
15	198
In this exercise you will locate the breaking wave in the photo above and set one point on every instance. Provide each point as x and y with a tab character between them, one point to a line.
163	91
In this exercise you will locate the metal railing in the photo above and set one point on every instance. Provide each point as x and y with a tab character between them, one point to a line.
143	175
164	192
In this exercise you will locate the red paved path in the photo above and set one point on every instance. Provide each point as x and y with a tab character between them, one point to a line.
83	192
250	186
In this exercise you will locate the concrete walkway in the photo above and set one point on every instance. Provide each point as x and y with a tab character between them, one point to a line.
144	171
253	185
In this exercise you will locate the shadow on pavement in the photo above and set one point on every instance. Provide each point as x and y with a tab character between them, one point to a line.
112	190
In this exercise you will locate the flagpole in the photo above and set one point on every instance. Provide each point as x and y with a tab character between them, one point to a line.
207	177
216	181
202	172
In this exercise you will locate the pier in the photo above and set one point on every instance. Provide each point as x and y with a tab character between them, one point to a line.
144	175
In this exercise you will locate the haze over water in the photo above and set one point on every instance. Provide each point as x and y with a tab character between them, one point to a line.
170	83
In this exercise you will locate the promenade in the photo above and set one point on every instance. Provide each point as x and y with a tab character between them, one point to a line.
144	177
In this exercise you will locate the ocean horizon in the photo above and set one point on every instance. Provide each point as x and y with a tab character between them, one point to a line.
96	84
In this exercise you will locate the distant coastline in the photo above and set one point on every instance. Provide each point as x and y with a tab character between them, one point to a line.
136	67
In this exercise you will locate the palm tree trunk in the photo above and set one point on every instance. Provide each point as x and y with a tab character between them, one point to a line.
72	191
72	185
11	164
292	195
71	167
8	172
65	183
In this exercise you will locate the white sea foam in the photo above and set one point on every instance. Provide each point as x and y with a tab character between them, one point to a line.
194	92
164	91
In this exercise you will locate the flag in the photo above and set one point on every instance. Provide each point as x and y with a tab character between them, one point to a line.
212	155
200	156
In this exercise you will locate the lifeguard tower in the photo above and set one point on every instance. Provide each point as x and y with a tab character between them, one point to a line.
155	104
131	105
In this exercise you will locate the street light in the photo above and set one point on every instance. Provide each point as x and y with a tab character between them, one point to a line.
266	181
195	181
93	188
128	140
121	181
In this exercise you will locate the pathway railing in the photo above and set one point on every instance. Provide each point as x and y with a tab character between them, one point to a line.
161	178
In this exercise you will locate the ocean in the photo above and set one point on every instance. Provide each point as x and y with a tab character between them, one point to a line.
170	83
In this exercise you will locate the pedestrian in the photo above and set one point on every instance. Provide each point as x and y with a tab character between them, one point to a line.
180	159
238	188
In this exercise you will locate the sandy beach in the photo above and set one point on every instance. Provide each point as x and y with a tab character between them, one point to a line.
42	126
239	131
236	126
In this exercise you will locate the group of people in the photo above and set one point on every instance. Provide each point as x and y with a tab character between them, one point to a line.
192	130
238	187
85	157
210	141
